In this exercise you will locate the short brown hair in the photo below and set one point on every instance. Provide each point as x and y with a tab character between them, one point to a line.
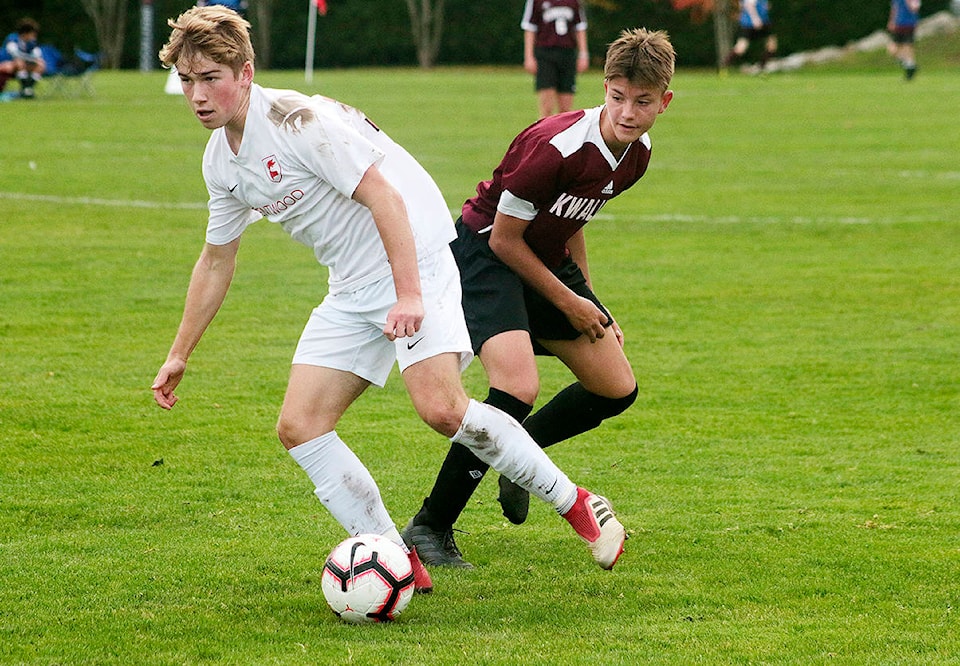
27	26
213	32
643	57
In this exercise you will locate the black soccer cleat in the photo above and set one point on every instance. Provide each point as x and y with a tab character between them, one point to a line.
436	548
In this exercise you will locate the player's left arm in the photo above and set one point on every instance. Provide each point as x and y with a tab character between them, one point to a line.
390	215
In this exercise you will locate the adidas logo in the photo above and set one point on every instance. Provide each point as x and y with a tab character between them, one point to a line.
608	189
601	510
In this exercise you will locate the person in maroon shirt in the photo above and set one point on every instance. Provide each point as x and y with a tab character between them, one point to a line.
526	283
555	50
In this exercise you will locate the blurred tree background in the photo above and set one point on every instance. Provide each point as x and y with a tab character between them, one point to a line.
380	32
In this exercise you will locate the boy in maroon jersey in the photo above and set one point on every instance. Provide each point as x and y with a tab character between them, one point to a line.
555	50
526	283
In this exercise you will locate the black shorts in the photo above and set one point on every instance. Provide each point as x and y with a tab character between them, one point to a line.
903	34
752	34
495	300
556	68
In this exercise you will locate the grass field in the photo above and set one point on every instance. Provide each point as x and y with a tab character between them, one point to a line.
788	279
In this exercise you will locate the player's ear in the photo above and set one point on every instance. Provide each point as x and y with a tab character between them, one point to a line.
665	100
246	73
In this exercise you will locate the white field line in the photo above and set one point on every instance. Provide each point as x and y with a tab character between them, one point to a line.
94	201
672	217
738	219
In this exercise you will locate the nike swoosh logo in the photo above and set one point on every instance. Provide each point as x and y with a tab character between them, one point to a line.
411	345
234	187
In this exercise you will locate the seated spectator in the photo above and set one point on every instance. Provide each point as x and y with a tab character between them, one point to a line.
21	57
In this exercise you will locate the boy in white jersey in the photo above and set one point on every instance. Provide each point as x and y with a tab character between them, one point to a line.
339	185
525	280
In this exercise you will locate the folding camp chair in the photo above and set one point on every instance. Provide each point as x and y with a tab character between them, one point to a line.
74	76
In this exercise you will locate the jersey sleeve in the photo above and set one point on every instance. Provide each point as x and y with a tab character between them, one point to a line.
580	22
529	177
530	22
514	206
228	216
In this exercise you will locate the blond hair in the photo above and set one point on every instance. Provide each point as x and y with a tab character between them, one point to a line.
643	57
213	32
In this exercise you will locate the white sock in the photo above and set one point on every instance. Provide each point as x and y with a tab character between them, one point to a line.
395	537
498	440
344	485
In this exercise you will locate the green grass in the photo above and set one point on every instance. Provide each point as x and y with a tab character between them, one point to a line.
788	278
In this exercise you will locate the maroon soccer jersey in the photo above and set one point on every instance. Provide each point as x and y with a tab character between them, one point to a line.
557	173
556	22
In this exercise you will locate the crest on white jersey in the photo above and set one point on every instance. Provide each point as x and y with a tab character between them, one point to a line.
272	166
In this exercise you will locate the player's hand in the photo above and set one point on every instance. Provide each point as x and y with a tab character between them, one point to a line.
617	332
587	318
530	65
167	380
404	318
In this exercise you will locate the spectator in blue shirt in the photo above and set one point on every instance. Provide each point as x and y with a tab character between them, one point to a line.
21	57
904	16
755	24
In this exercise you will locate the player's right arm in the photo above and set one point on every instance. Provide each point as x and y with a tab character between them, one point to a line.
209	284
529	61
507	242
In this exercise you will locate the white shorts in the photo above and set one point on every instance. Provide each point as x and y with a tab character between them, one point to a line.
345	332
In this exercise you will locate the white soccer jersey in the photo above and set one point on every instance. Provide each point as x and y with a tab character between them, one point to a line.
299	163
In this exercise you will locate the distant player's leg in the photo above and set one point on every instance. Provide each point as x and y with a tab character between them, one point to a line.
546	81
908	56
736	53
7	71
566	80
769	50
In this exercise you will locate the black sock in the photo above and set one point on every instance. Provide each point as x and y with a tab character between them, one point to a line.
462	472
573	411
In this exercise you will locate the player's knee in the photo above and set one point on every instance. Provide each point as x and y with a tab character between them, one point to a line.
287	433
607	407
527	394
621	404
293	430
525	387
444	422
442	415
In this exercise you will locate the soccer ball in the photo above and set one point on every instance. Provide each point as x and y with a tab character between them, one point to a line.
367	578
